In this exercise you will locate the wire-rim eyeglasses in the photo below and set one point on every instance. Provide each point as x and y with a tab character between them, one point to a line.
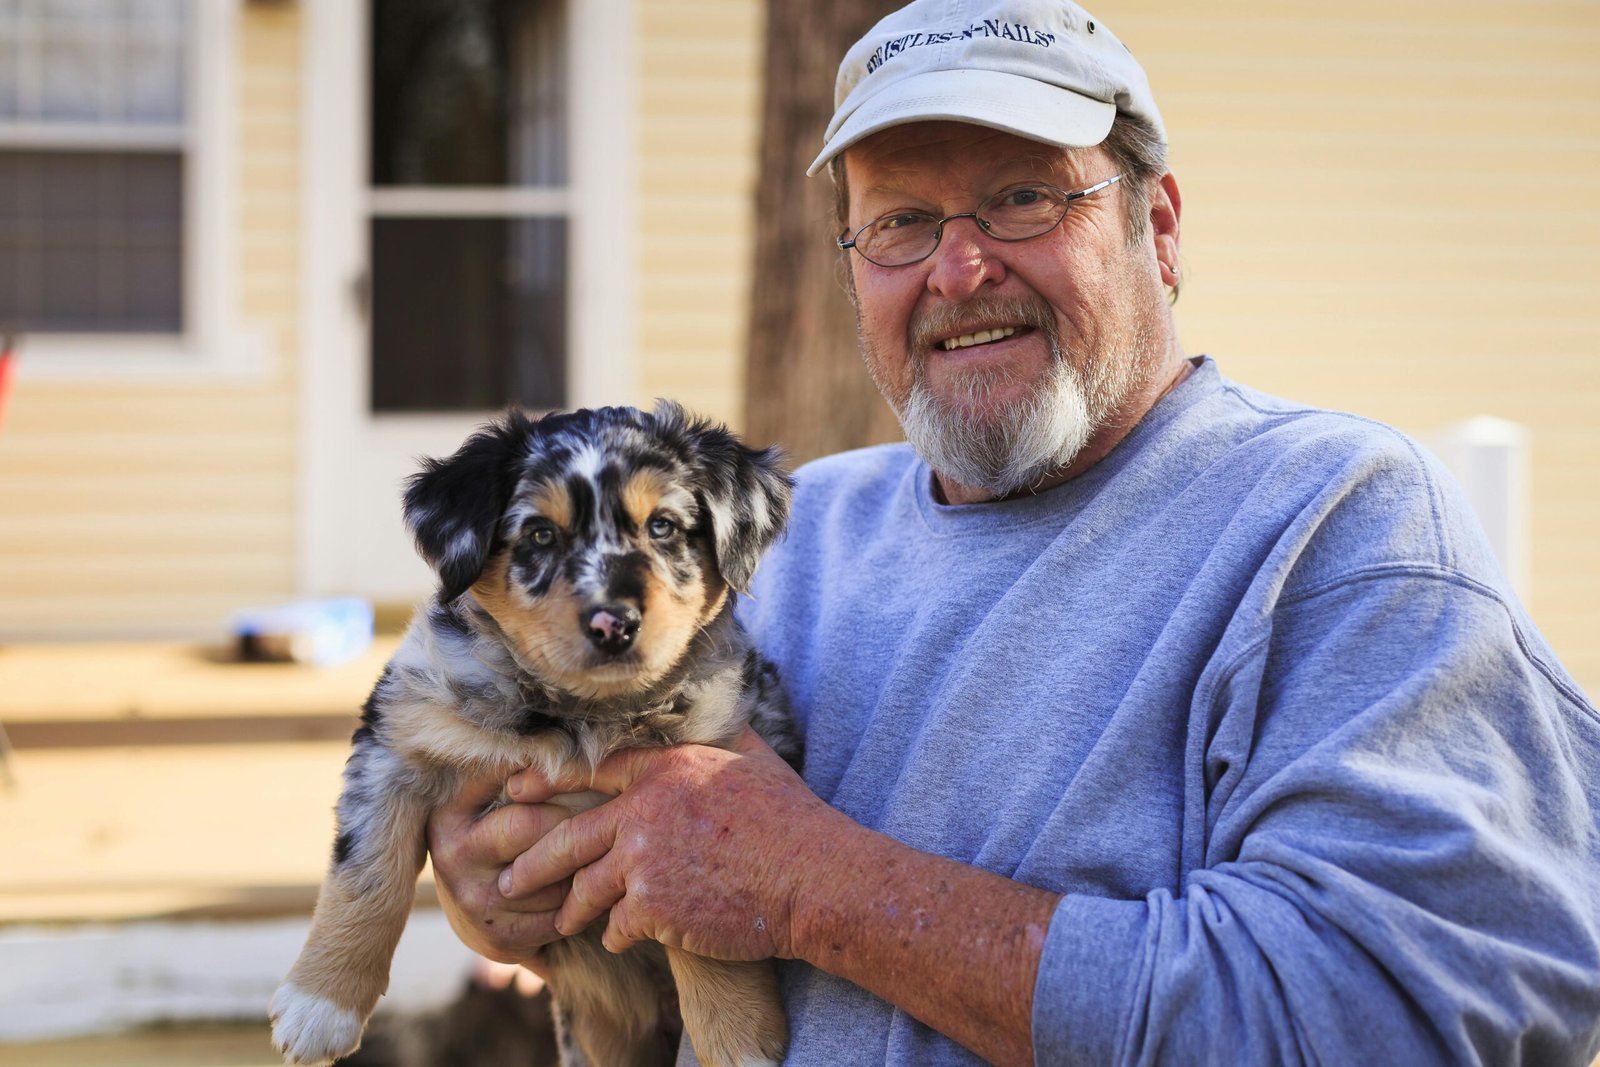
1016	213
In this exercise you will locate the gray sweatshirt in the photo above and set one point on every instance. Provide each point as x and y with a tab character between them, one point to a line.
1252	694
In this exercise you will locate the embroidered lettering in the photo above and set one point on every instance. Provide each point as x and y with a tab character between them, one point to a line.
996	28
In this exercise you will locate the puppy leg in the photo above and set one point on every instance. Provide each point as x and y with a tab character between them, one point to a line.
610	1006
731	1010
319	1012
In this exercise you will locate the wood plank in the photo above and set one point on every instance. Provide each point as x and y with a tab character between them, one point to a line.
97	682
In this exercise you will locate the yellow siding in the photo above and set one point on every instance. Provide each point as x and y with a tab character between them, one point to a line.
1392	209
1389	209
699	92
160	507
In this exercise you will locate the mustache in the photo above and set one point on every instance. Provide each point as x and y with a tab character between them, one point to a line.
949	320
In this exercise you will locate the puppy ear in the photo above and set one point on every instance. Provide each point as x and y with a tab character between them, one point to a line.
453	506
744	492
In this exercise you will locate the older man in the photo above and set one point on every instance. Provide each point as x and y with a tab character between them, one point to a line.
1148	718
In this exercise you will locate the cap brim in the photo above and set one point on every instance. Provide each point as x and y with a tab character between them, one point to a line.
1020	105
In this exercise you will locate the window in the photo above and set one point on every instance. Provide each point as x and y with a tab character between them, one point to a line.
93	139
468	237
115	188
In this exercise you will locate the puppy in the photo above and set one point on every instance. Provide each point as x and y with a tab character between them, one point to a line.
585	562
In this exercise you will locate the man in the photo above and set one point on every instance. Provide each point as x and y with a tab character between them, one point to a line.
1148	718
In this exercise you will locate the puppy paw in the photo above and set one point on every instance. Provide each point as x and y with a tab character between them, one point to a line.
311	1030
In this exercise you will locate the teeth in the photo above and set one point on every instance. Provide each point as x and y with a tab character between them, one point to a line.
982	337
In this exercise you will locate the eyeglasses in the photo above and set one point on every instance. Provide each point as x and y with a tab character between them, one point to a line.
1015	213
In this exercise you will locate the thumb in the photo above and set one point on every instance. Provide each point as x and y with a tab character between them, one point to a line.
570	846
618	771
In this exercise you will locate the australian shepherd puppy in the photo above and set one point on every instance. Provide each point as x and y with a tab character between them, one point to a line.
585	565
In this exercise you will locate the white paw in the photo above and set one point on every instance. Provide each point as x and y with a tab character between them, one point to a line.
312	1030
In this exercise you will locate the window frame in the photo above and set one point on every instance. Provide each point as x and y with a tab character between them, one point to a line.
212	343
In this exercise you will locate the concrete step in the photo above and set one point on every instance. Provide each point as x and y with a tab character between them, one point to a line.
73	980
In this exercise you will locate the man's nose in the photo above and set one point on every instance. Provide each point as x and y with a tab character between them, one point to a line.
966	260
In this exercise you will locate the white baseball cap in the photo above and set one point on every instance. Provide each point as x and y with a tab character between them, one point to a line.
1046	70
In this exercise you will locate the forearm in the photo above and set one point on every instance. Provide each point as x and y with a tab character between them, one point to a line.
954	946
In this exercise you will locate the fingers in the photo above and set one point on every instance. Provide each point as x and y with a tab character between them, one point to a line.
530	786
595	890
503	835
493	840
558	855
508	931
501	935
469	851
617	936
547	898
463	809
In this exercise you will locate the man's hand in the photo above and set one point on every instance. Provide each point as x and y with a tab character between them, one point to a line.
703	849
730	855
469	853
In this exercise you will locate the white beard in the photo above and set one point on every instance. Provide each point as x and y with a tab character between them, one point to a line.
1004	452
1026	441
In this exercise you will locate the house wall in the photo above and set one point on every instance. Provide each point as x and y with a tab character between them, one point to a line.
698	134
159	506
1392	209
1388	209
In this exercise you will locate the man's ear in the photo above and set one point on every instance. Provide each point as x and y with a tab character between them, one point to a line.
743	492
453	506
1166	208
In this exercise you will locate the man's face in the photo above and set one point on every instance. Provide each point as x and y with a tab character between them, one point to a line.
1083	305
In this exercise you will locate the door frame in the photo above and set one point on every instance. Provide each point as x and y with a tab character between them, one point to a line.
337	537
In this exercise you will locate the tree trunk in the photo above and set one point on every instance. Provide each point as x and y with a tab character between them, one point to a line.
806	388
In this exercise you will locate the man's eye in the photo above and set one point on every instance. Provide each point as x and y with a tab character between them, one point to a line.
1024	197
661	529
901	222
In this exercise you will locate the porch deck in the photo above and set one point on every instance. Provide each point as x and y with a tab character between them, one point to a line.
165	817
164	780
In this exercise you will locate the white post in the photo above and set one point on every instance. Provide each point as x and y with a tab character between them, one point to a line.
1490	458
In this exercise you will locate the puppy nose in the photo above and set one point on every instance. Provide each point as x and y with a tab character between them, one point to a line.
611	627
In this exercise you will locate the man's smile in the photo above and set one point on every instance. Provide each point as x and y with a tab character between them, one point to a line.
980	337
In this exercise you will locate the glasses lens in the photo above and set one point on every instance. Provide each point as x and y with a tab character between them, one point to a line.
898	239
1023	211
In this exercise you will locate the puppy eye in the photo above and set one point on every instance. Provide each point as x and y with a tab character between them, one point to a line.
661	528
542	534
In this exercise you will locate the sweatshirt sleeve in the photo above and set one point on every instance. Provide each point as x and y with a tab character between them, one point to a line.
1401	854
